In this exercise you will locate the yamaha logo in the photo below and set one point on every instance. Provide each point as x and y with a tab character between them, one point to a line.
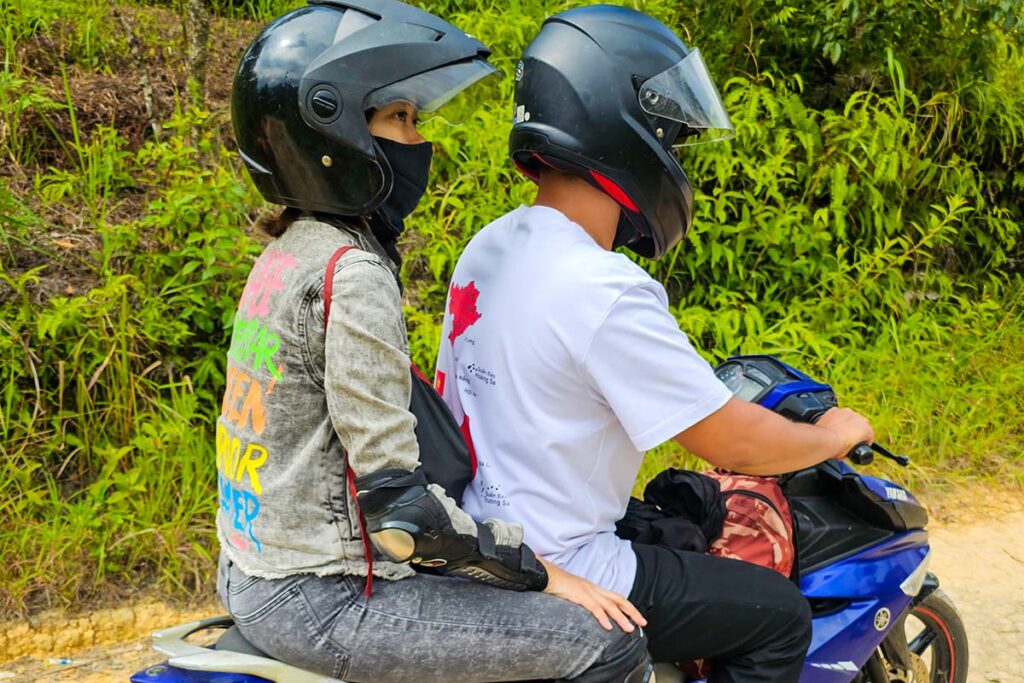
882	619
893	493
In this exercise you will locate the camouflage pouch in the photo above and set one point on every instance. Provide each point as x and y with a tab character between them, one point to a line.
758	528
758	524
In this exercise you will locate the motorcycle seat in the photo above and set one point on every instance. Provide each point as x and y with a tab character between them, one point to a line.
233	641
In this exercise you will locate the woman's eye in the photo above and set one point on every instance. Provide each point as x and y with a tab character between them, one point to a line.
401	116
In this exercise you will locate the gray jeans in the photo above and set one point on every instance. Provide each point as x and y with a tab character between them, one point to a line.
425	628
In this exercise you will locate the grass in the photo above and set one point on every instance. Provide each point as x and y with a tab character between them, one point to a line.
876	245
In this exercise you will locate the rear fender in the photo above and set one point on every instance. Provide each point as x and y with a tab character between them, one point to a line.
190	663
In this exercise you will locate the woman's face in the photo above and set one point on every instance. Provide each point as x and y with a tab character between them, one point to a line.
396	121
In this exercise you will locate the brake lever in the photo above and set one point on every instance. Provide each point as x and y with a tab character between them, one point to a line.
901	460
864	454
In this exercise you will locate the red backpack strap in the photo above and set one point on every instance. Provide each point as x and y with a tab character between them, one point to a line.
329	279
350	475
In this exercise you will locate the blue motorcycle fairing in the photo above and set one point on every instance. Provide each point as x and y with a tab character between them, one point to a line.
778	394
870	572
846	467
843	641
164	672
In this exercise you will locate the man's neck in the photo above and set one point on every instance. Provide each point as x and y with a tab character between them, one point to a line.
588	207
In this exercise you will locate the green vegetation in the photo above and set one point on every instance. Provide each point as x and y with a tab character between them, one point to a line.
865	224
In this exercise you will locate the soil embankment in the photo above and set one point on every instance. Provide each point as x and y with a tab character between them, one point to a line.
976	555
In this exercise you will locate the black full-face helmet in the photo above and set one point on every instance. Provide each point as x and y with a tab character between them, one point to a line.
304	85
606	93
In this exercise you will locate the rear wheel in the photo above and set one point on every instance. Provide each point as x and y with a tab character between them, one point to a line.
937	650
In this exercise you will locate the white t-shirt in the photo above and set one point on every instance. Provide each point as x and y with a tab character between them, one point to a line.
564	364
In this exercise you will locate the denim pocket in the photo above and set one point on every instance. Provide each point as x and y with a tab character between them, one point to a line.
311	331
253	599
239	587
283	623
319	636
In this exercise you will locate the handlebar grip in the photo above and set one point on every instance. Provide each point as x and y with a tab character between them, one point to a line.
861	454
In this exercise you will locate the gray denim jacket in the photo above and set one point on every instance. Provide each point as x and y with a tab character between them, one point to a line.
284	503
299	397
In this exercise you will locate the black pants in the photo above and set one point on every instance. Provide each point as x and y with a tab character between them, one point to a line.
751	621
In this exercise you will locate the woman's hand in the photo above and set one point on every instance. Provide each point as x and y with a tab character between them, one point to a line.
604	605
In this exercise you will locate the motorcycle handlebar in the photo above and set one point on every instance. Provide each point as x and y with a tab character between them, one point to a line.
862	454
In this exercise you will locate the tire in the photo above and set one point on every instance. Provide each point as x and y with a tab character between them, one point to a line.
937	643
950	654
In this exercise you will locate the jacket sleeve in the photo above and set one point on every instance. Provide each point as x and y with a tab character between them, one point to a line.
368	384
366	368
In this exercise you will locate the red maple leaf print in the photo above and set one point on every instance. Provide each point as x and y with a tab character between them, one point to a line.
462	306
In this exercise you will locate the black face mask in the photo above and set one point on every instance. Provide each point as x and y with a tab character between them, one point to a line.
410	165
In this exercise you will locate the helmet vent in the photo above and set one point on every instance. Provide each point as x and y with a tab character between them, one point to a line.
352	21
325	104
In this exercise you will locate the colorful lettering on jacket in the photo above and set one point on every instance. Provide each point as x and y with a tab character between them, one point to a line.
254	345
242	508
251	355
237	460
243	400
264	281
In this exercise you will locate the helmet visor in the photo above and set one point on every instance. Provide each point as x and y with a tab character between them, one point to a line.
432	90
686	93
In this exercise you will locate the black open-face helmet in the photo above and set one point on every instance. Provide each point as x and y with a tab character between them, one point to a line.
304	85
607	93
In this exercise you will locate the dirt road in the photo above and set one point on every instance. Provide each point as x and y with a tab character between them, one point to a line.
981	567
978	556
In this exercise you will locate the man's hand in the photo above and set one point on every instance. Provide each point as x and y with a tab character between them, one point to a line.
851	427
604	605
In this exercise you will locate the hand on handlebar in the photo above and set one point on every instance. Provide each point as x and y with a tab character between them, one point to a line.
851	427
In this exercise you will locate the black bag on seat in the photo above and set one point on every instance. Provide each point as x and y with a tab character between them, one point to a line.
444	454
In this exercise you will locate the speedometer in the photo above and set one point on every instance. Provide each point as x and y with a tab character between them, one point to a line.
742	386
730	374
769	382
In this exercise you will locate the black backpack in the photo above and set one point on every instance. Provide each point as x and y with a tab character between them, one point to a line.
445	456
